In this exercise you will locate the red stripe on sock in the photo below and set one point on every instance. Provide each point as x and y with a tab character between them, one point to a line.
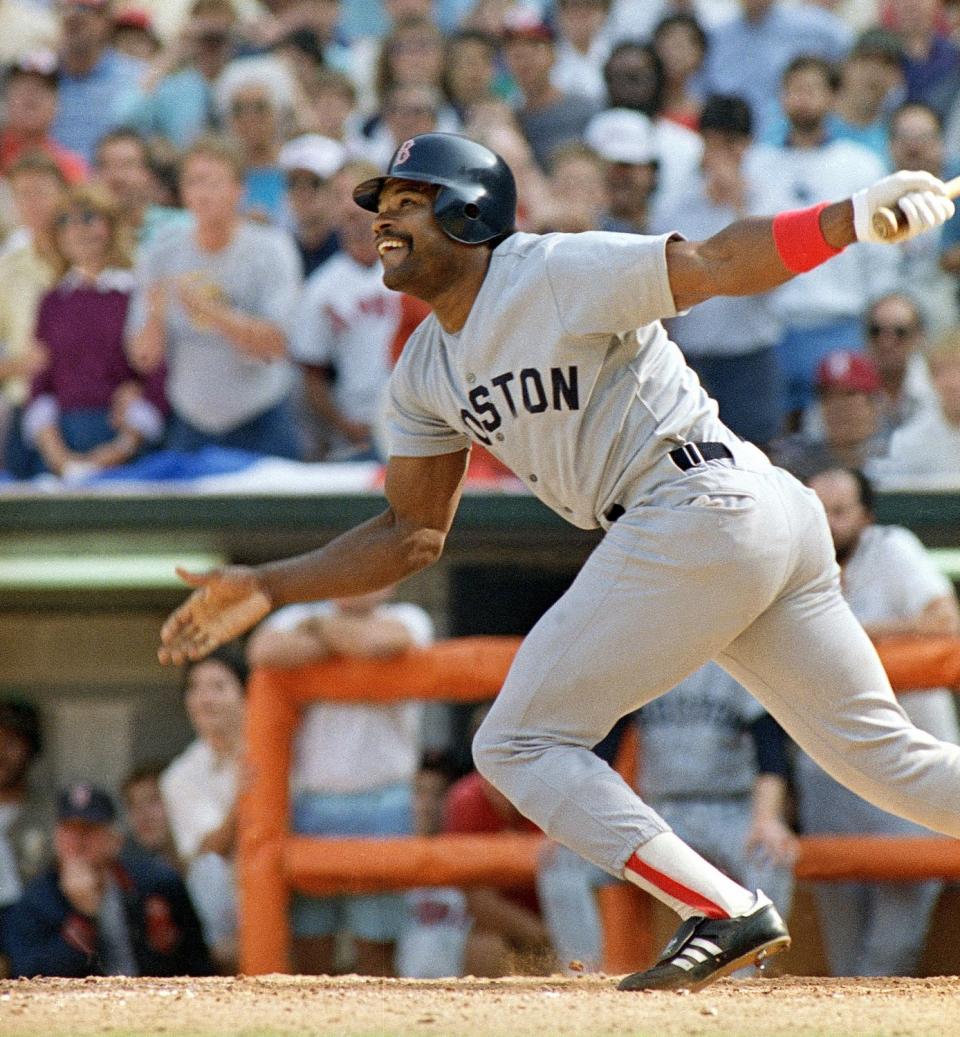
687	896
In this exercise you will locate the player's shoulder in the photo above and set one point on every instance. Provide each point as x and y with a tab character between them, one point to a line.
418	349
545	247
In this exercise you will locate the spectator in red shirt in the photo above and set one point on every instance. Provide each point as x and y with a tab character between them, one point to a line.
88	409
31	105
508	934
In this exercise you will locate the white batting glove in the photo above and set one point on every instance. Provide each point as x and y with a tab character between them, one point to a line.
920	196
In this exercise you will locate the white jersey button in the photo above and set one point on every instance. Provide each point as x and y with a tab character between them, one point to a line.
499	437
533	478
471	377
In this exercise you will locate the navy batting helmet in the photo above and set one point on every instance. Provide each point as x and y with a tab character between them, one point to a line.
477	200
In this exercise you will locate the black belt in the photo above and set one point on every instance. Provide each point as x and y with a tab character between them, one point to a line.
684	457
691	454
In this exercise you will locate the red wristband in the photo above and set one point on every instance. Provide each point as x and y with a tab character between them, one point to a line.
799	239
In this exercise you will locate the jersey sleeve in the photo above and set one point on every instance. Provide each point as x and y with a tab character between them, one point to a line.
412	430
606	283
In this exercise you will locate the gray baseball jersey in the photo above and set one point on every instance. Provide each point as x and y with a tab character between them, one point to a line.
564	372
574	389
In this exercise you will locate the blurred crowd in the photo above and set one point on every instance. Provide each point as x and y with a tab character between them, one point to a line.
183	271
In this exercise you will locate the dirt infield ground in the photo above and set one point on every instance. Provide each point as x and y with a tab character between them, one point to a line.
291	1006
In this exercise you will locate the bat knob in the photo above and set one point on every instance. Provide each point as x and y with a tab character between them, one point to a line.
885	223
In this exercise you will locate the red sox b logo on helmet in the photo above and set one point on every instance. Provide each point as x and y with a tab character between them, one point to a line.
403	152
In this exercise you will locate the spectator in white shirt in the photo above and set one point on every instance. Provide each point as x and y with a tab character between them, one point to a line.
927	268
824	313
896	341
582	47
894	590
927	449
635	79
354	764
342	335
199	790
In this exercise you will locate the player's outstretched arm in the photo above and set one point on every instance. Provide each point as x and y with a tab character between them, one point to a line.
757	254
422	494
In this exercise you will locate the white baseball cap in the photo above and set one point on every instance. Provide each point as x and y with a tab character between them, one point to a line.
315	153
623	135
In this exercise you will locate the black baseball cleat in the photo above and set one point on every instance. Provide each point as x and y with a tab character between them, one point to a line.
704	949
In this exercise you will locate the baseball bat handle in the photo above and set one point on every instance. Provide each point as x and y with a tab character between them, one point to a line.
890	220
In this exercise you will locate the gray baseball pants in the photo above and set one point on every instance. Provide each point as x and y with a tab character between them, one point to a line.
733	563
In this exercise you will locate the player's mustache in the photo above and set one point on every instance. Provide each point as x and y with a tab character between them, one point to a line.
394	236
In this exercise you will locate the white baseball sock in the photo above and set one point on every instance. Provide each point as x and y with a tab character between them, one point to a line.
668	869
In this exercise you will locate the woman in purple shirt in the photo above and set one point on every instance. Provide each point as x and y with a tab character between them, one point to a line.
88	409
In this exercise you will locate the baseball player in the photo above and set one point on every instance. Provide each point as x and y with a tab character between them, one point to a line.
549	351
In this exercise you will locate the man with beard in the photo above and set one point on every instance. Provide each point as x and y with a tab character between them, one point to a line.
822	312
549	351
894	589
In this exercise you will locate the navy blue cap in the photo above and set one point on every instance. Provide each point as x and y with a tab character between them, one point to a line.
86	802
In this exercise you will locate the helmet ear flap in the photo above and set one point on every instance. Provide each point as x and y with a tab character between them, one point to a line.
460	217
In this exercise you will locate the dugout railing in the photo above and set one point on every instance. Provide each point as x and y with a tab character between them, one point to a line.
272	862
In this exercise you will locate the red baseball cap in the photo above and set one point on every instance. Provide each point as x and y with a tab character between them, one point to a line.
849	372
134	18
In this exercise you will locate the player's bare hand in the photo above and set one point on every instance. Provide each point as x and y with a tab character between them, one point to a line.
920	196
225	604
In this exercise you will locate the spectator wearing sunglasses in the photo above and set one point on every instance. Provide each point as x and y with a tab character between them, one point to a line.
256	98
408	110
926	450
88	408
175	100
309	163
408	83
896	338
927	268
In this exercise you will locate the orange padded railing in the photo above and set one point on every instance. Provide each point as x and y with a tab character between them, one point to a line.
271	861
